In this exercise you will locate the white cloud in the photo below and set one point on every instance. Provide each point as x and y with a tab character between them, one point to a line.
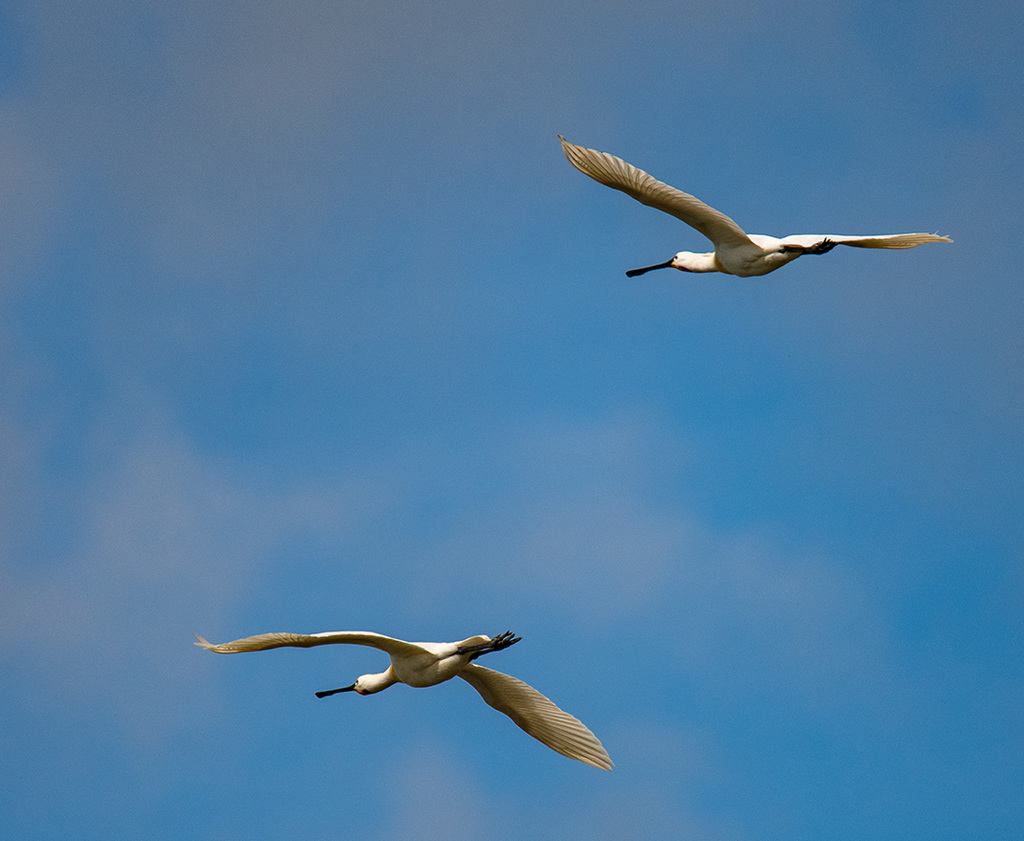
431	795
572	520
28	202
170	544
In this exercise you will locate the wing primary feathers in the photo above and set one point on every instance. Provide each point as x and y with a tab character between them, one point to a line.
538	715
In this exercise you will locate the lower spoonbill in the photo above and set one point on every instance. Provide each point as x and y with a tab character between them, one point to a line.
430	663
736	252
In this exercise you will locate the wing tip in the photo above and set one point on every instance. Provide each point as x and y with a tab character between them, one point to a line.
222	648
573	153
926	239
592	754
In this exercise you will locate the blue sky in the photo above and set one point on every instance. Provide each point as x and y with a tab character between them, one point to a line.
306	324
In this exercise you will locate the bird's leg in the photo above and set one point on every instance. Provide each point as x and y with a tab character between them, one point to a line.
823	247
494	644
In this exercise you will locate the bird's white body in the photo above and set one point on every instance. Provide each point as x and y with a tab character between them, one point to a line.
736	252
428	663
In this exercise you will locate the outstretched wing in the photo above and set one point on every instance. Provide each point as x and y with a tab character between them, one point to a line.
263	642
877	241
537	715
616	173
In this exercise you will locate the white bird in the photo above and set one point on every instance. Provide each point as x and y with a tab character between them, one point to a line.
430	663
736	252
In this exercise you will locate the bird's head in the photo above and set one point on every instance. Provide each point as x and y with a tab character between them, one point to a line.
371	684
677	262
365	684
687	261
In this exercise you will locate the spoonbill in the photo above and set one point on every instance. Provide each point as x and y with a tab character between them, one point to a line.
736	252
430	663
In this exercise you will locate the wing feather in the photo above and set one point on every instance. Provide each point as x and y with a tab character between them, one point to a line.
875	241
264	642
620	175
537	715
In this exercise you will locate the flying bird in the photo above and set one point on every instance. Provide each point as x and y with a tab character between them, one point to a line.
430	663
736	252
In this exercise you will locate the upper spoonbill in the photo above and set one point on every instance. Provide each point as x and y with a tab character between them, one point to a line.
736	252
429	663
